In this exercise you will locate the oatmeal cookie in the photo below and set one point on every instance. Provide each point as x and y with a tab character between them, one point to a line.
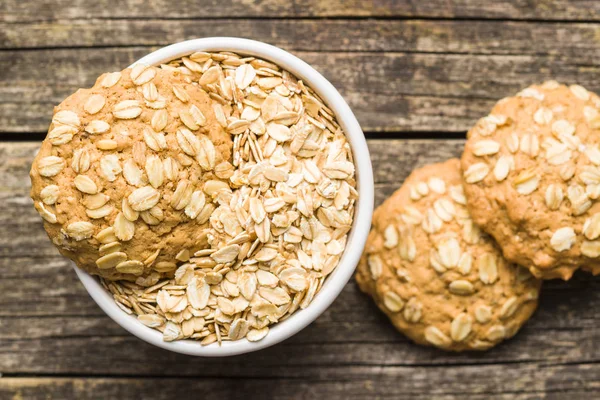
439	279
532	178
130	171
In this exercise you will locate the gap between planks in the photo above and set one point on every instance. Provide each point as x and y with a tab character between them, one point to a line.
539	363
374	17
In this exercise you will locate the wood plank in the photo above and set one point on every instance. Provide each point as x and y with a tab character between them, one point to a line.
387	91
576	41
443	383
19	11
127	356
48	320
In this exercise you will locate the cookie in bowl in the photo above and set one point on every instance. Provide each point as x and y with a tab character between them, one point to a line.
442	281
532	178
124	176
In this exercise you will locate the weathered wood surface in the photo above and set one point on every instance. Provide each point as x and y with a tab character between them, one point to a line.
51	328
407	69
388	91
41	10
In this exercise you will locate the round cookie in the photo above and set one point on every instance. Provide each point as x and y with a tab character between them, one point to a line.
128	173
532	178
439	279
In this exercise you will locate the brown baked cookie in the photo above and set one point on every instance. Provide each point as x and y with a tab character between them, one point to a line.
439	279
129	171
532	178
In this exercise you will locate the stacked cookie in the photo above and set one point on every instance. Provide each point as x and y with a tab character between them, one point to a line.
529	177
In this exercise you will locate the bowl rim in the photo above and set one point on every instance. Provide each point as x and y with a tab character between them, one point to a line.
337	280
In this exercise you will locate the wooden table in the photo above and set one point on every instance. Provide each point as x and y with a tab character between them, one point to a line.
416	73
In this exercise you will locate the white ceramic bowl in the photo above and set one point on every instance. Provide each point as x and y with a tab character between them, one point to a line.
335	282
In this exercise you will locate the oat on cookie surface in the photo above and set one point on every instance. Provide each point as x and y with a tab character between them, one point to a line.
439	279
532	178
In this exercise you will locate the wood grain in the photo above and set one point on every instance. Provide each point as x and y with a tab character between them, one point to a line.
42	10
575	41
50	326
387	91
